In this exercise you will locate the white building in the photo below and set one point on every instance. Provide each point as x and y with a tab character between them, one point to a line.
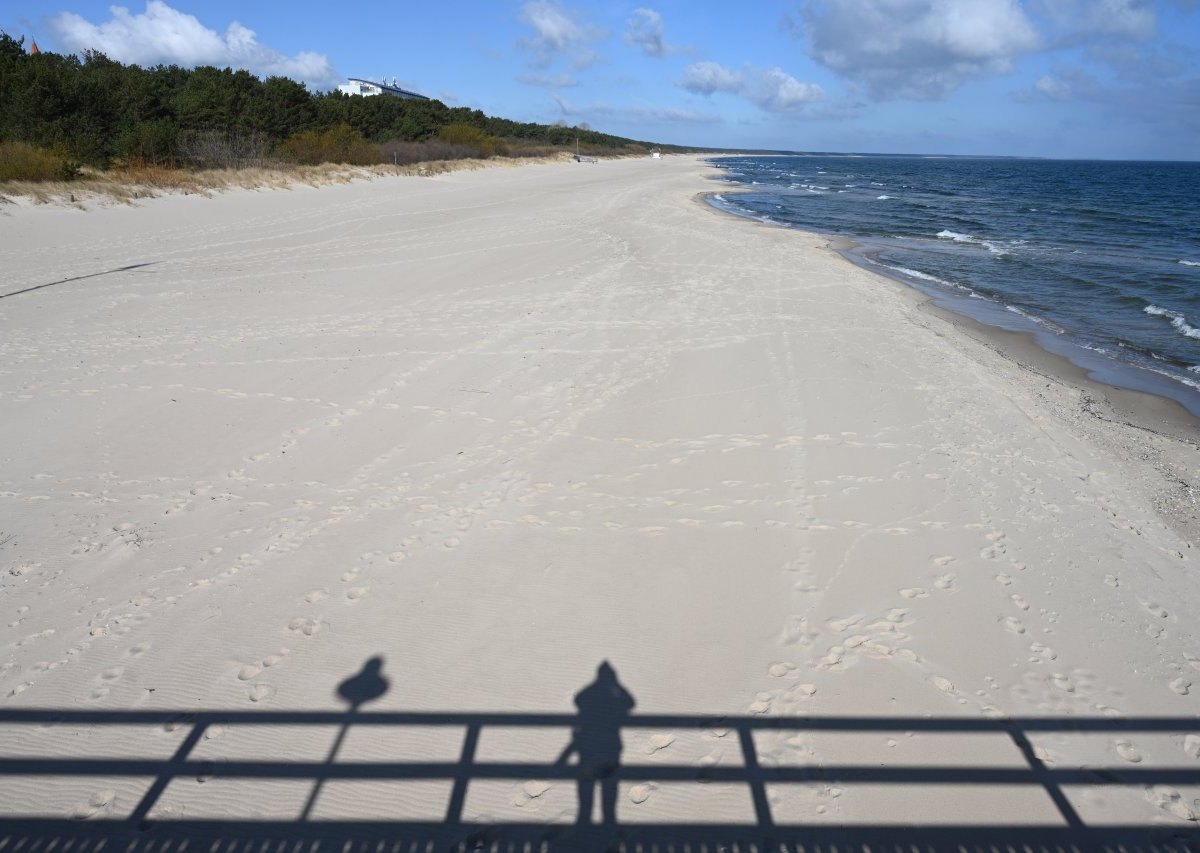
366	88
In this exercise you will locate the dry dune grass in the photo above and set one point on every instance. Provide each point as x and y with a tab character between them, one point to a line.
127	185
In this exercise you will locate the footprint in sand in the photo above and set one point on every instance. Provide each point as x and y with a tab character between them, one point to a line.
303	625
1171	801
795	630
997	549
1191	745
833	658
101	801
248	672
1181	686
803	691
1041	653
112	673
529	791
838	625
1155	609
1128	751
658	742
761	704
946	581
260	692
1062	682
315	596
357	592
640	793
1013	624
913	592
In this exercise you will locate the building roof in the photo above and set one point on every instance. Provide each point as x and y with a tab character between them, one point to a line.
389	90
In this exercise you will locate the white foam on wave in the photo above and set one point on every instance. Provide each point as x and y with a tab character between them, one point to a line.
947	234
955	236
882	197
1043	322
920	276
1178	321
1172	375
1190	263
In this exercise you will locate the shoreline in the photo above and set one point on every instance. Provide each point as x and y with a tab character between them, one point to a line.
1107	368
1077	395
1166	412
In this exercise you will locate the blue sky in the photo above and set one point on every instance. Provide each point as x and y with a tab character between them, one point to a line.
1056	78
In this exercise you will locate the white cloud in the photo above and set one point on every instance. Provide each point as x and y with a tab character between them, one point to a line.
164	35
919	49
645	30
705	78
557	32
772	89
776	91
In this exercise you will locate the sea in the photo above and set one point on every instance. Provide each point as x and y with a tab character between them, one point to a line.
1098	260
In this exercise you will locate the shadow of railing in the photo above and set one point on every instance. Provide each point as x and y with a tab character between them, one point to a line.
137	832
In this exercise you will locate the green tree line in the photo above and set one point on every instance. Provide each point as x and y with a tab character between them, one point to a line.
96	111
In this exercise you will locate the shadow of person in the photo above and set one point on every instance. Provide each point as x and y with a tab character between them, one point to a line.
603	707
364	686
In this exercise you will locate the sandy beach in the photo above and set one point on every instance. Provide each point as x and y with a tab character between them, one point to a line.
323	510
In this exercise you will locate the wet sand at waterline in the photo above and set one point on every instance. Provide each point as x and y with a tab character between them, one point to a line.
558	472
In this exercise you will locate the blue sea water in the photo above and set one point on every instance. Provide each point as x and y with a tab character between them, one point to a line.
1100	260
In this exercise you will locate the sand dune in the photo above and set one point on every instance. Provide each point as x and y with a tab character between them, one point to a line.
497	428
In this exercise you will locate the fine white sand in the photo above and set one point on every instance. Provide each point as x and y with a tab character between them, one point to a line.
498	427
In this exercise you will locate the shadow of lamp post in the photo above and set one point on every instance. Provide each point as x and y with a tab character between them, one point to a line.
364	686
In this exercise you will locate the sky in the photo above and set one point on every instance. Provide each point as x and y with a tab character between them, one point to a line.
1108	79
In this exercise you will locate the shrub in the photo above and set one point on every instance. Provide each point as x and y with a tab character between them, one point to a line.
406	153
22	162
216	149
338	144
472	137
